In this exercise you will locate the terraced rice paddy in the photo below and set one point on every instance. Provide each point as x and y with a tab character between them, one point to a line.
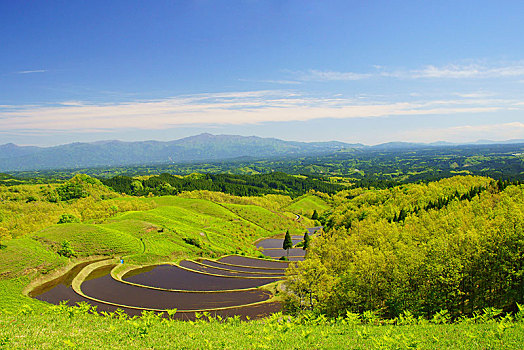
272	247
231	285
176	278
250	269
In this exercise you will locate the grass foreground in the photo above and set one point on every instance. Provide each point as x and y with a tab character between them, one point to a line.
63	327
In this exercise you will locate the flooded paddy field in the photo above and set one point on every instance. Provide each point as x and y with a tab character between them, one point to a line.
275	242
277	253
224	272
109	290
174	277
295	258
229	286
250	262
100	285
249	269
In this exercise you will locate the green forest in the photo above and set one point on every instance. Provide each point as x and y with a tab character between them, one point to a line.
453	245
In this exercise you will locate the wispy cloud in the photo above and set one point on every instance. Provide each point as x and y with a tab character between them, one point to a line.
270	81
32	71
466	133
454	71
450	71
319	75
235	108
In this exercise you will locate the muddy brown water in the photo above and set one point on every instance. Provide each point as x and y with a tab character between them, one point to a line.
107	289
208	269
277	253
245	261
174	277
241	268
64	280
62	292
274	243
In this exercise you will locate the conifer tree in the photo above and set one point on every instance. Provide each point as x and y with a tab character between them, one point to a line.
288	243
306	241
315	215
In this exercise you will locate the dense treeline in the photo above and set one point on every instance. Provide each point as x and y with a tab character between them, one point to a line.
462	253
239	185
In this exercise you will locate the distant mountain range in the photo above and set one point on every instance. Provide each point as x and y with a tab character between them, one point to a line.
199	148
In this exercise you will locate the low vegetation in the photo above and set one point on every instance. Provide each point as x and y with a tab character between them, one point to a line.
63	327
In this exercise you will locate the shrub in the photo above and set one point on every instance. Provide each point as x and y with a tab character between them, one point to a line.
70	191
193	241
66	250
67	218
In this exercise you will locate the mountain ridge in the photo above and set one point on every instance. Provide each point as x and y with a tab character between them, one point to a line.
197	148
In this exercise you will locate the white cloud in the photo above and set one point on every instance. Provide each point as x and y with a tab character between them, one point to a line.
450	71
32	71
318	75
454	71
236	108
466	133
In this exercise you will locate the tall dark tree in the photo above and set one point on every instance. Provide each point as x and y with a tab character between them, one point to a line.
288	243
306	241
315	215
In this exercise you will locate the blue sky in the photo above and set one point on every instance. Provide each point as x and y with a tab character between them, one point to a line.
354	71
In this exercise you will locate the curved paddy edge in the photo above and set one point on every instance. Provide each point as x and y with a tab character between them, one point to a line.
251	257
60	272
224	276
80	278
118	276
277	274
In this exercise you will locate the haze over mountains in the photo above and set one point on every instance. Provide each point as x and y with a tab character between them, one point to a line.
199	148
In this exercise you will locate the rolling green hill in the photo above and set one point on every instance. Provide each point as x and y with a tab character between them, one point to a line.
305	205
143	229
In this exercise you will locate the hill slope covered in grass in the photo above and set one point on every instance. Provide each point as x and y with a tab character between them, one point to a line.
48	227
307	204
62	327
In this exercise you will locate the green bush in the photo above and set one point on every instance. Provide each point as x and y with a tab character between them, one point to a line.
67	218
193	241
70	191
66	250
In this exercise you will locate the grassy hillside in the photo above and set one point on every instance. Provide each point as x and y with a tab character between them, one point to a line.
28	208
159	229
305	205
